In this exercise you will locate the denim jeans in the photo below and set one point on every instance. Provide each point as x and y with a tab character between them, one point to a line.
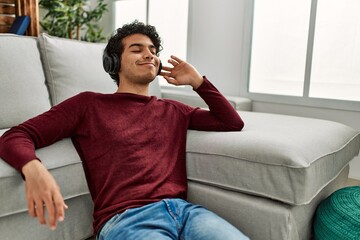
169	219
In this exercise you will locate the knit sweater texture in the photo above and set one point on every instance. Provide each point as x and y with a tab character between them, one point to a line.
132	146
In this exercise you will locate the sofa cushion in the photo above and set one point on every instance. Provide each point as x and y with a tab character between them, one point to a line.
73	66
23	93
286	158
63	163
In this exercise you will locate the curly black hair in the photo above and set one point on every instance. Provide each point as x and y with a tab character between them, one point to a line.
115	44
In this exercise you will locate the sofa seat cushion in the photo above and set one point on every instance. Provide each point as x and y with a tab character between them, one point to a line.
63	163
23	93
286	158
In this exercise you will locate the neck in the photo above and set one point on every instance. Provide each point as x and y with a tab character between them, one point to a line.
139	89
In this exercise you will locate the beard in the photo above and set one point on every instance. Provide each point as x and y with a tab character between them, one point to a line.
136	72
144	78
138	77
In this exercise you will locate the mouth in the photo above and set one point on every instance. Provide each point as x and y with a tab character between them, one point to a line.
147	63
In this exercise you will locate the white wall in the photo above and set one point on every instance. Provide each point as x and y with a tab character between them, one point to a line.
215	42
106	21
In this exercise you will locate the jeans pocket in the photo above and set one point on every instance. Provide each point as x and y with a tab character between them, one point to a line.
110	224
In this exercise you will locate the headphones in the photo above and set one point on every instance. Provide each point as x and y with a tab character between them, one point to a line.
111	63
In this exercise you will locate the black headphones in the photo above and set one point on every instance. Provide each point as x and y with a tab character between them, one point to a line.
111	63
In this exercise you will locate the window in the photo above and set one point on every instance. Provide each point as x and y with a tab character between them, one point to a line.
170	17
335	71
279	46
306	48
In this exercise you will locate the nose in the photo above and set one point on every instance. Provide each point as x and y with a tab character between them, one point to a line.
148	54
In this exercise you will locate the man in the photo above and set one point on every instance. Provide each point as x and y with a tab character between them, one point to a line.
132	146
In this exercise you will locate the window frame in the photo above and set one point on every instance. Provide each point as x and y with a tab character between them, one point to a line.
304	100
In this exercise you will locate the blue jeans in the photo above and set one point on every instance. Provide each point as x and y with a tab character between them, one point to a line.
169	219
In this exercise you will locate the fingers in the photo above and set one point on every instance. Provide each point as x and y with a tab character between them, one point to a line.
166	68
174	58
182	73
167	74
170	71
175	61
39	212
43	195
55	210
60	207
51	210
171	80
31	207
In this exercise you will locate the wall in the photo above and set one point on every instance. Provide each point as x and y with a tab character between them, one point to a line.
215	44
106	21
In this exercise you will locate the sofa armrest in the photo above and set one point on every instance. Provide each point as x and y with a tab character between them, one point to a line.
239	103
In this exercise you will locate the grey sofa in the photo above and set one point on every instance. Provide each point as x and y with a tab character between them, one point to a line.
267	180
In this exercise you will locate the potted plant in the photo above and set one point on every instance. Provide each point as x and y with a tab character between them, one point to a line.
73	19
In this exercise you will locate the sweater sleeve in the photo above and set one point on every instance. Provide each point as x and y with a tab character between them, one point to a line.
17	145
221	116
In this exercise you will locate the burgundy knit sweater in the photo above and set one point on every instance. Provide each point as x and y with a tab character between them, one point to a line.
132	146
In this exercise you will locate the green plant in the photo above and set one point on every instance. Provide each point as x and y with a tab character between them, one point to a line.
73	19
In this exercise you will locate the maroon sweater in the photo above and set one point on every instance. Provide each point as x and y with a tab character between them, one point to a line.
132	146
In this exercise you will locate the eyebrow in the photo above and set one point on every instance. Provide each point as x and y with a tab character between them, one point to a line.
141	45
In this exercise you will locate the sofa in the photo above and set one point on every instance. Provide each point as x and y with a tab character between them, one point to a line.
267	180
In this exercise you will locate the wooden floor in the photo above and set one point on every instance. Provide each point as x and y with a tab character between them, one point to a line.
353	182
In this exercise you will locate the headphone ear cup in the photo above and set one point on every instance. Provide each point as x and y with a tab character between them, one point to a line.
160	67
111	63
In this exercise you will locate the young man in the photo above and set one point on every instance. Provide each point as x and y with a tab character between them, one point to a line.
132	146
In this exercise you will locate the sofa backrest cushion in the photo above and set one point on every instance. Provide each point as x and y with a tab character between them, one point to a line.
73	66
23	93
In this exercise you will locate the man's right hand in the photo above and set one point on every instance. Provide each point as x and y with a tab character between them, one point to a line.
42	192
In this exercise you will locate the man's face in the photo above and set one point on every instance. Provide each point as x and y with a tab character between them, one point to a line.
139	63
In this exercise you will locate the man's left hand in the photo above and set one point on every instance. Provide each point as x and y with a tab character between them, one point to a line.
182	73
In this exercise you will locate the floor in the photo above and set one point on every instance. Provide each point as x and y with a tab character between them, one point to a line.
353	182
